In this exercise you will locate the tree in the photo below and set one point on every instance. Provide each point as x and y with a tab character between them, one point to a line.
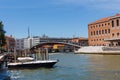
2	36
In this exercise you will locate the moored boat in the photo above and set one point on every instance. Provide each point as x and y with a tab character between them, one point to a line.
33	64
40	59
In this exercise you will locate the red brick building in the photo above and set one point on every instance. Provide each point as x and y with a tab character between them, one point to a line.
10	43
105	31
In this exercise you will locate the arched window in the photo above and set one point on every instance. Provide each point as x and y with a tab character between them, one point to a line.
112	23
99	25
91	26
105	31
96	32
91	33
113	35
102	31
108	30
102	24
99	31
117	21
117	34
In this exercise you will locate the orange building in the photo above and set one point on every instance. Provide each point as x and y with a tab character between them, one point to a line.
105	32
10	43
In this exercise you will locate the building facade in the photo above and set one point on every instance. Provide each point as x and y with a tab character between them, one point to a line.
19	44
80	41
66	40
105	31
10	44
35	41
27	43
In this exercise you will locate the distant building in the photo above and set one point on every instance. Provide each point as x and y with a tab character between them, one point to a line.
54	40
27	43
80	41
105	31
35	41
10	43
19	44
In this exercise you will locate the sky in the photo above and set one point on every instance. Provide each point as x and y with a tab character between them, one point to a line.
54	18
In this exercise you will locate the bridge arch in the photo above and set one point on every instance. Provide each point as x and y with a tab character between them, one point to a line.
52	43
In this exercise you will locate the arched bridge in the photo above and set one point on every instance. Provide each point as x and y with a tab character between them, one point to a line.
53	43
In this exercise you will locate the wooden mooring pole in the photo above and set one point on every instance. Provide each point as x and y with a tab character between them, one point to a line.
47	55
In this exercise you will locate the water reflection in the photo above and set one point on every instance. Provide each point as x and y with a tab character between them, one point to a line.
4	75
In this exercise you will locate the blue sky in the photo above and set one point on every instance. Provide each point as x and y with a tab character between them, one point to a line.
55	18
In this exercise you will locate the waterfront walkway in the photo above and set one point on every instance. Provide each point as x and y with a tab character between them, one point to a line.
99	50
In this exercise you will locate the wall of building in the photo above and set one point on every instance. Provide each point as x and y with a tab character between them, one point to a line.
102	30
19	44
80	41
10	43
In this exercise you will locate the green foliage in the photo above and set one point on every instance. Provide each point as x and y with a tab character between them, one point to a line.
2	35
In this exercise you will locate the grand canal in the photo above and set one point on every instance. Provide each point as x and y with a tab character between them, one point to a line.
72	67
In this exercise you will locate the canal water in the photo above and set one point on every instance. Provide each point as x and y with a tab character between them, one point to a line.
73	67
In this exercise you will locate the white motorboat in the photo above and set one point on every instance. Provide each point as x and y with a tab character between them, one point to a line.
33	64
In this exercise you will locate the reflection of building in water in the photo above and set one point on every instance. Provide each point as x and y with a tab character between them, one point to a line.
105	31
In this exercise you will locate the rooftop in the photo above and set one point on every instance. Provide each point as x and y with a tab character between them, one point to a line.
105	19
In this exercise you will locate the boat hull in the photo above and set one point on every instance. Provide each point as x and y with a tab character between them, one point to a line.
33	64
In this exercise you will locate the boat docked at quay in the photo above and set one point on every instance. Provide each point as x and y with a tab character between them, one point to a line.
40	59
33	64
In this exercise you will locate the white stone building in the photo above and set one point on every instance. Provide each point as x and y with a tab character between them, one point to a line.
19	44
